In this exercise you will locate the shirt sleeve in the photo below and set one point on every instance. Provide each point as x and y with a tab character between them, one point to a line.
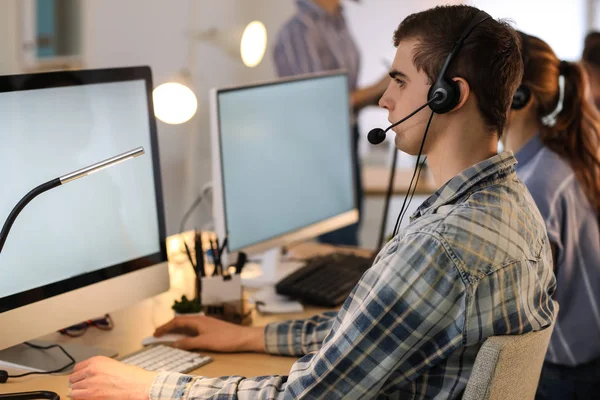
405	315
296	51
552	206
299	337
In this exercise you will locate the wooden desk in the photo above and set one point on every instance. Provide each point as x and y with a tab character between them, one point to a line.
139	321
375	181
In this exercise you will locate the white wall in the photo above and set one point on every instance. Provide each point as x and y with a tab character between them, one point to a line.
562	24
8	37
594	14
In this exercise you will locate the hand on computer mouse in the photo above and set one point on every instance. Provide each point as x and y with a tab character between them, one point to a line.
206	333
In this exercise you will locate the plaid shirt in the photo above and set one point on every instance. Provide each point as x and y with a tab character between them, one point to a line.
474	262
315	41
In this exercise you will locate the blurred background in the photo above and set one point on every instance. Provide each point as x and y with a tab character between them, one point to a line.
197	42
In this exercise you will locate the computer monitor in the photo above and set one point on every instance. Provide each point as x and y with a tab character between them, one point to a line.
282	161
97	244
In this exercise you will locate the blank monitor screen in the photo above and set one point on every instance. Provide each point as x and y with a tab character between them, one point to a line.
104	220
286	156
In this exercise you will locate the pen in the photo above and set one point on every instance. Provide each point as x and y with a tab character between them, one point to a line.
189	255
213	252
199	264
218	248
199	254
218	257
222	249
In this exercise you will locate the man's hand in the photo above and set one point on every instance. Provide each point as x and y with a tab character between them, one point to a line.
370	95
105	378
211	334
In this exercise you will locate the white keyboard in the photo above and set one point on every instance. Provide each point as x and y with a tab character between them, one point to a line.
165	358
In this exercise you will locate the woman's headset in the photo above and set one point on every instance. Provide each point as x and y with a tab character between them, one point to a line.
523	94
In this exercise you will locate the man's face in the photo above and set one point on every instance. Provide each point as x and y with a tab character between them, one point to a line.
406	92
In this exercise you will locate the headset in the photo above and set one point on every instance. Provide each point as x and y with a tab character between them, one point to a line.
442	97
444	94
523	94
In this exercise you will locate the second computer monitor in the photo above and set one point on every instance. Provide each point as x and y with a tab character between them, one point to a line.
282	161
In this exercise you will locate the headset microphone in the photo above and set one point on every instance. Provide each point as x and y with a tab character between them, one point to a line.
377	135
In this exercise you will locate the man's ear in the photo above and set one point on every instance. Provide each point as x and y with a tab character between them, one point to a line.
465	91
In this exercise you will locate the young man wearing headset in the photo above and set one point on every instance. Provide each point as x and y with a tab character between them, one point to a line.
474	261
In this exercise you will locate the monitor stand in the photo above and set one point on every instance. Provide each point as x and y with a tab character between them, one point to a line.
27	358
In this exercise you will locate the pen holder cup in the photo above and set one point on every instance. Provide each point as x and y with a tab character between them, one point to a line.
222	299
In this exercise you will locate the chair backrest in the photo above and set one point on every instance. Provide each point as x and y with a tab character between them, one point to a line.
509	366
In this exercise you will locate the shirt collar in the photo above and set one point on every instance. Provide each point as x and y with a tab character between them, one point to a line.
527	152
314	10
469	180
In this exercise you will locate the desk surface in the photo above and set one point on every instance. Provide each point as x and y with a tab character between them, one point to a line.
376	178
139	321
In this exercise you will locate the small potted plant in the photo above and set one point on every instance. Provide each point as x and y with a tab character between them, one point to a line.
186	306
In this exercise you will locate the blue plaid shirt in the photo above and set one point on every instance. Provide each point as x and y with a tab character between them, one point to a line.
474	262
316	41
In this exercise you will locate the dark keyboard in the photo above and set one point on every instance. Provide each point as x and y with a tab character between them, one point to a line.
325	281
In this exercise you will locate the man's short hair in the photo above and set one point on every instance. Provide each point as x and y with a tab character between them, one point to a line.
489	60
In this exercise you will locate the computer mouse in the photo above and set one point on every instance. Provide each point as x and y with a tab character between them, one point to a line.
164	339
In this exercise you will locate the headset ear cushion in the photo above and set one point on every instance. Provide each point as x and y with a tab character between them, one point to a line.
451	96
520	98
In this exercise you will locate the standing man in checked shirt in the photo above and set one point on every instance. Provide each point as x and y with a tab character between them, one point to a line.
317	39
474	262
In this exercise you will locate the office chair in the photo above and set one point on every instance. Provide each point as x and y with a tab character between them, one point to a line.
509	366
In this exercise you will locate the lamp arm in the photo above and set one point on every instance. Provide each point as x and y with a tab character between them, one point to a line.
80	173
21	204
